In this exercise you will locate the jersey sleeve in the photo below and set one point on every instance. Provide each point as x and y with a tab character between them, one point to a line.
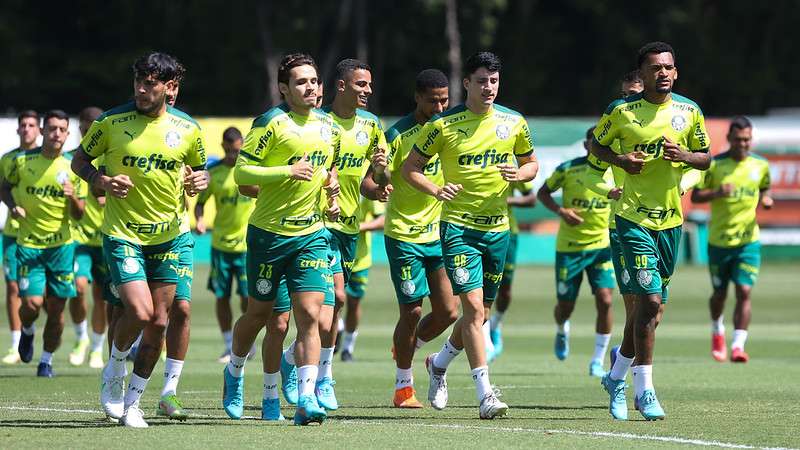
336	144
430	140
699	141
596	164
257	143
765	179
690	178
706	177
11	172
523	143
95	142
607	128
196	157
598	181
524	188
393	146
556	180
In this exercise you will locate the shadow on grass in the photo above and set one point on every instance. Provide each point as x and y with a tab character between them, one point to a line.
32	374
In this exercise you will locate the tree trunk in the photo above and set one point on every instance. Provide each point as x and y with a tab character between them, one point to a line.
454	51
271	55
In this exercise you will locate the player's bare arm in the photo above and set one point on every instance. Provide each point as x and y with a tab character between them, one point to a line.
413	172
118	185
675	153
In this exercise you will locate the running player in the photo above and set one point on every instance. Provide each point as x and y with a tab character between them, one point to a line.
525	199
411	235
286	153
228	247
660	133
28	132
145	144
90	269
45	195
582	245
371	218
735	184
362	137
478	144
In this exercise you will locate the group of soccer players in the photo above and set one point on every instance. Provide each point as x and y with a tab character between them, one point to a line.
294	195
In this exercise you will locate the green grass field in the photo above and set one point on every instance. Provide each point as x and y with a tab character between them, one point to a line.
553	403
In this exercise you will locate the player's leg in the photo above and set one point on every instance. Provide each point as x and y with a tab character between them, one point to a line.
746	270
355	290
78	306
32	288
503	298
60	286
13	301
307	306
53	328
569	276
271	355
719	266
403	340
98	335
601	279
219	283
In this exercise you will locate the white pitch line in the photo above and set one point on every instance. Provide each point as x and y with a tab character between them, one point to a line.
607	434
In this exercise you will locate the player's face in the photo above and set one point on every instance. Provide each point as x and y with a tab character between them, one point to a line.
172	95
357	88
232	148
740	139
55	133
658	72
432	101
320	95
483	85
83	126
150	94
28	131
301	91
631	87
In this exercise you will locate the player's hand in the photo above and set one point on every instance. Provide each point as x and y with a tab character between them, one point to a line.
200	227
726	190
383	195
615	194
18	212
673	152
302	170
448	192
333	210
331	186
69	190
118	185
194	182
509	172
570	216
380	161
767	202
633	163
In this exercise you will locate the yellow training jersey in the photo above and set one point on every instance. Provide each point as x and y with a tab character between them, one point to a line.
524	188
12	226
86	230
470	146
592	233
733	218
361	135
39	189
233	209
151	151
652	198
367	210
280	137
410	215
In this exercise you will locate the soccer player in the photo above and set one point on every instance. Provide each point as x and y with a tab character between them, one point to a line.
525	199
371	218
411	235
737	181
28	132
90	269
478	144
362	137
659	134
145	144
582	245
45	195
228	247
288	153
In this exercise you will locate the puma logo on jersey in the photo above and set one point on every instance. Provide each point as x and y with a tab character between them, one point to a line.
129	134
638	122
464	132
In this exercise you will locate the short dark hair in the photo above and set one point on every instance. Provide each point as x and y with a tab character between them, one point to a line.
161	66
590	132
488	60
348	66
739	123
292	60
632	77
28	114
55	113
231	134
653	47
90	113
431	79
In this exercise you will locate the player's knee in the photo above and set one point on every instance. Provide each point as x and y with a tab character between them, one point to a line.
719	295
412	316
650	305
742	293
278	326
12	290
180	311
